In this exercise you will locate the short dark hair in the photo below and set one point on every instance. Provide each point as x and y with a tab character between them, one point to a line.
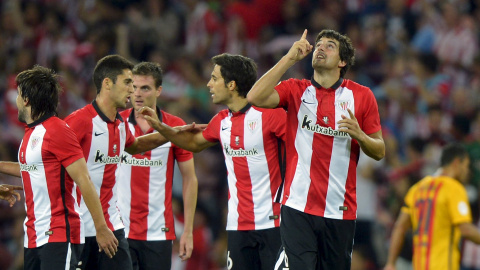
347	51
109	67
40	86
451	152
149	69
238	68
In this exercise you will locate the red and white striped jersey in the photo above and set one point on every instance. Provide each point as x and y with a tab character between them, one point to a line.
103	143
250	141
145	184
52	211
321	169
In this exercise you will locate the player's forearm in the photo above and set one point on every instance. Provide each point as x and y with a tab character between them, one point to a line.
470	232
182	139
373	147
92	201
10	168
262	92
396	243
190	190
146	143
398	236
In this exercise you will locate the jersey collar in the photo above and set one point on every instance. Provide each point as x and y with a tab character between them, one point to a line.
334	86
131	117
102	115
243	110
41	119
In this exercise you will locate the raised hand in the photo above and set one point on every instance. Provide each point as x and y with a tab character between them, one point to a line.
151	116
8	193
350	126
300	49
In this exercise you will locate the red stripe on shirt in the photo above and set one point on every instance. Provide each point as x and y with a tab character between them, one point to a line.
244	182
169	221
430	225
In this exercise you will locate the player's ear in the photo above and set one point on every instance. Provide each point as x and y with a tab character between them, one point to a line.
107	83
232	85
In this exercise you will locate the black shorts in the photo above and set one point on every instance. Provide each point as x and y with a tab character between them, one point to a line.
91	259
52	256
253	250
151	255
313	242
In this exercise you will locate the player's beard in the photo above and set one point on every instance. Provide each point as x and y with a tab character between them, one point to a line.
22	113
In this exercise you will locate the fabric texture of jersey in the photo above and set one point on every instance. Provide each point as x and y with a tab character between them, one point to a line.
249	139
145	184
103	143
321	173
50	204
436	205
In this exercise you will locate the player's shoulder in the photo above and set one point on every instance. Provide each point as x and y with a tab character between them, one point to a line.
171	119
302	83
354	86
126	113
267	111
87	112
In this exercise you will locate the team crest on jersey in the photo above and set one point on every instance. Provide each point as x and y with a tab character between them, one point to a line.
114	148
252	124
344	105
35	141
325	120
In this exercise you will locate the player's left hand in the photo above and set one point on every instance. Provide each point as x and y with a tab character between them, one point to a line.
193	127
350	126
9	194
186	246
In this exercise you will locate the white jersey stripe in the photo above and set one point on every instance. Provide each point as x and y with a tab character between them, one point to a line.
303	145
40	187
340	156
125	184
259	176
225	138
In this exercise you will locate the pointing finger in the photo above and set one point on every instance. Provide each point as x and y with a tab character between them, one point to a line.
304	36
352	116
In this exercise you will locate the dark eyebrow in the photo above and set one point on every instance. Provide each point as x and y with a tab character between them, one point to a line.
128	80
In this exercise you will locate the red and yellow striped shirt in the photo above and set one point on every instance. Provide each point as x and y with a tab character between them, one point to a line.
436	205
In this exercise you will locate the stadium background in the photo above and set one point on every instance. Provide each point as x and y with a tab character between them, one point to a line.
420	58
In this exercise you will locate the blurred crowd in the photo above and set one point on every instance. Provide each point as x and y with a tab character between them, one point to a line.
421	59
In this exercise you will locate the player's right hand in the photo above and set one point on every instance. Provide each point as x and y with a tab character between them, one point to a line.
151	116
107	241
300	49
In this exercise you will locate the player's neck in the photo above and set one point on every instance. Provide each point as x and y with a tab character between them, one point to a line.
326	78
107	107
237	104
141	122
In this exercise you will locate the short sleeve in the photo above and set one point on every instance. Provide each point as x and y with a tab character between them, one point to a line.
458	205
278	122
212	132
66	147
283	89
371	117
129	138
408	202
